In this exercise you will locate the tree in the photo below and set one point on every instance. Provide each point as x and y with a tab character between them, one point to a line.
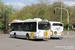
4	11
1	25
41	13
7	10
44	11
28	16
1	14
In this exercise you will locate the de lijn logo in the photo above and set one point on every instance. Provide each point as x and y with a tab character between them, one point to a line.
57	28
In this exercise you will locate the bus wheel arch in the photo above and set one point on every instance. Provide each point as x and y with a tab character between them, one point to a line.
27	36
14	35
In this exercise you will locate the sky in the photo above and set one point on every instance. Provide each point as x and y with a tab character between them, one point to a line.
18	4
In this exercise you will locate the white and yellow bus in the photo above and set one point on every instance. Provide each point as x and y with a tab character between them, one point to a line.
30	29
56	29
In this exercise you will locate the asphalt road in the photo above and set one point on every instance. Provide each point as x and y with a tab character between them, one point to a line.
7	43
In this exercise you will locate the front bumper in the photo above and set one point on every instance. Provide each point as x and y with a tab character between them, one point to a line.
56	36
41	37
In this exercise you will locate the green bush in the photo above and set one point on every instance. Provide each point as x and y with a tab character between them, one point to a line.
70	26
65	23
1	25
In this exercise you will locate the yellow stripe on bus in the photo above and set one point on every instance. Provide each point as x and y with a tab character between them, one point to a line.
32	35
13	21
46	33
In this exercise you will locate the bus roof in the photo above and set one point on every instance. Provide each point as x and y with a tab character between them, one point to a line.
54	22
29	20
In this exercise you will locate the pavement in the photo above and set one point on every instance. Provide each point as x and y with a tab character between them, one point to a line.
71	35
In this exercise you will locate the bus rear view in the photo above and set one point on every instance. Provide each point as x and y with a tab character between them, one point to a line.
56	30
43	30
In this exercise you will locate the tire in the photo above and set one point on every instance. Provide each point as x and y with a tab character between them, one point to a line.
27	37
14	35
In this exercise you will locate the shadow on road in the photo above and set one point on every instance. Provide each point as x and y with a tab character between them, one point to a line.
55	39
38	40
30	39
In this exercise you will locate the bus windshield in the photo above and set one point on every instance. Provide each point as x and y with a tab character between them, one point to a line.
44	26
57	24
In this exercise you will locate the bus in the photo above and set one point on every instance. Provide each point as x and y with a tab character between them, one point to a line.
56	29
30	29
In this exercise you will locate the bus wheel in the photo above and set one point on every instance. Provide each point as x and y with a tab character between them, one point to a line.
14	35
27	37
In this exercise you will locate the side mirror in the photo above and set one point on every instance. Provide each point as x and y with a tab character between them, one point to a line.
11	30
9	25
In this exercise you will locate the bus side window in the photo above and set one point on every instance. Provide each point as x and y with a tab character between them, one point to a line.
16	27
31	26
26	27
19	28
34	27
23	27
12	27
